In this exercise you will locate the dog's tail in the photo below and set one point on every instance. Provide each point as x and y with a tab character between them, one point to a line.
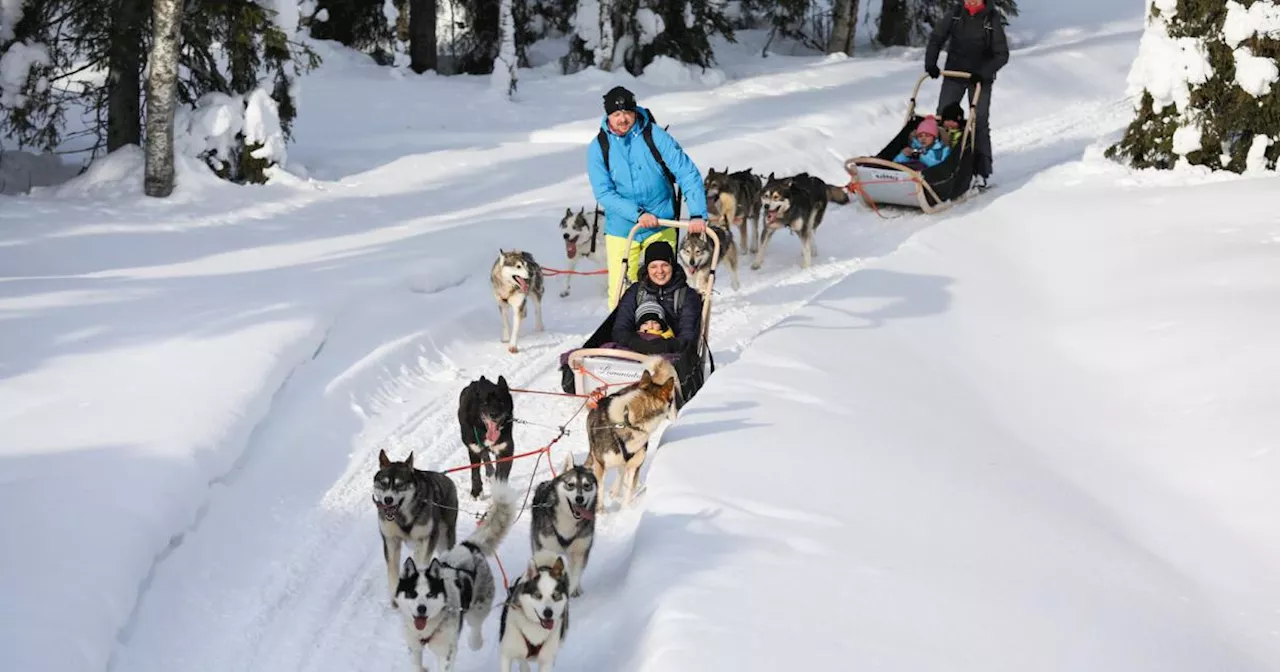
661	371
497	520
837	194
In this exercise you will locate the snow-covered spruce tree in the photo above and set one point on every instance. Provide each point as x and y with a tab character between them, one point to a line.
591	42
909	22
423	46
1205	87
678	29
801	21
34	52
503	79
362	25
166	24
242	115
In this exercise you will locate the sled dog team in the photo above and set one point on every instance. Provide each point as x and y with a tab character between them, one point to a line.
446	583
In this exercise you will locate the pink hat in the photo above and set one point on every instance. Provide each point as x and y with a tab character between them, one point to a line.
929	125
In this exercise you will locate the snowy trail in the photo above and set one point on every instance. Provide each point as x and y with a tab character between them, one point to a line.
302	586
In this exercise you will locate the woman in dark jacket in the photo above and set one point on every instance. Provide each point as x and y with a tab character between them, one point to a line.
662	280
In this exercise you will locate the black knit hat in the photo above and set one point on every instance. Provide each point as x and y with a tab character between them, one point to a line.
953	112
659	251
619	98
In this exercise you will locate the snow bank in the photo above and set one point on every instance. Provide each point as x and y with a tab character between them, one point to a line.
22	171
1019	443
668	72
15	68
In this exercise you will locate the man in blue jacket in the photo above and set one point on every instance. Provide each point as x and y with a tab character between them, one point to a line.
633	165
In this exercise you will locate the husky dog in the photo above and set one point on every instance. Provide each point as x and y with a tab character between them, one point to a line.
796	203
535	616
456	587
620	425
486	418
735	198
564	518
516	278
696	250
581	240
414	506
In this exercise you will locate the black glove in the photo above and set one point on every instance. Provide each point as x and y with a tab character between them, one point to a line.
933	70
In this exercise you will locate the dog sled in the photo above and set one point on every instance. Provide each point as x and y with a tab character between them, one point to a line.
878	180
602	363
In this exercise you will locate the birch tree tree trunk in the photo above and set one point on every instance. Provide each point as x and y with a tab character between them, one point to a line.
166	22
604	48
844	21
503	79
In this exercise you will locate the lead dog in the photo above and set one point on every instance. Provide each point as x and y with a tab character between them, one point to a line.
516	279
535	616
458	587
735	198
414	506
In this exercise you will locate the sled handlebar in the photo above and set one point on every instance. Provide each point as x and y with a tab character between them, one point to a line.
956	74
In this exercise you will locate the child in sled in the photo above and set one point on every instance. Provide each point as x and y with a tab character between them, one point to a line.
925	149
952	124
653	323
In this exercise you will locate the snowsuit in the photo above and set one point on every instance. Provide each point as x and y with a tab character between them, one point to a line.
685	322
634	184
930	156
975	44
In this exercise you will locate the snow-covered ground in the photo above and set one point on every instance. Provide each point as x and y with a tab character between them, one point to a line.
1030	434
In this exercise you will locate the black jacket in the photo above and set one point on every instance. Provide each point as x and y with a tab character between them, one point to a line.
975	43
685	324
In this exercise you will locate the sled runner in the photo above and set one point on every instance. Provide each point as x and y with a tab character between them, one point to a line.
600	362
878	180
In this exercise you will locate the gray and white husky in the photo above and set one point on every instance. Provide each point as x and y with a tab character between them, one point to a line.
414	506
581	240
457	587
535	616
697	250
516	279
734	198
791	203
564	518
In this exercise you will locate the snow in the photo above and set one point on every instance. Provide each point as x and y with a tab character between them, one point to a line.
10	15
1255	74
1034	433
262	127
15	67
1186	139
1261	18
1256	159
1167	67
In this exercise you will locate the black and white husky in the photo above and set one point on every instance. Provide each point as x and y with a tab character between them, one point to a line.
581	240
535	616
564	518
516	279
456	587
414	506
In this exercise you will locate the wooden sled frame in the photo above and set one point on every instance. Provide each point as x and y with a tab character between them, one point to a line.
923	190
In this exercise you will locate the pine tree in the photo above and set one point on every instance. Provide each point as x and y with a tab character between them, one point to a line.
166	24
359	24
1205	87
423	51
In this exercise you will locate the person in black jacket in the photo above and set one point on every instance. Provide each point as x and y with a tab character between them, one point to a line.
974	35
660	280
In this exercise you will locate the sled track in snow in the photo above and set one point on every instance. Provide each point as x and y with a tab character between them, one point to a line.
316	597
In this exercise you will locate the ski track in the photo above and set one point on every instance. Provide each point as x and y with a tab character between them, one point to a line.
323	604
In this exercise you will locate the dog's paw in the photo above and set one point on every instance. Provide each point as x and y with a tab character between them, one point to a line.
395	604
577	592
477	640
512	349
564	293
755	265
